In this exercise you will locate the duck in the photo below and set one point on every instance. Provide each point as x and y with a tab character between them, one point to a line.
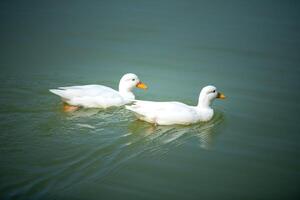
99	96
170	113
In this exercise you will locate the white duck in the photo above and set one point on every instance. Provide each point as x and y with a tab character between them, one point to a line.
99	96
168	113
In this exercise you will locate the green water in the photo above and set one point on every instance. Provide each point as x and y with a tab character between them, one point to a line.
248	49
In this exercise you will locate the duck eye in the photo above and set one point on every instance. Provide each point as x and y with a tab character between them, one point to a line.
133	79
214	91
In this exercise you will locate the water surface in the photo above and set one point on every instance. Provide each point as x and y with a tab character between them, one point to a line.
249	50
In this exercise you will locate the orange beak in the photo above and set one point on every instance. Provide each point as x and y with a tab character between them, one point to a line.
141	85
220	96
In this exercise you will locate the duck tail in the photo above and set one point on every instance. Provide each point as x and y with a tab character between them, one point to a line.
57	92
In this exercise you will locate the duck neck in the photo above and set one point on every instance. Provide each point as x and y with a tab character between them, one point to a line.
126	92
204	110
204	102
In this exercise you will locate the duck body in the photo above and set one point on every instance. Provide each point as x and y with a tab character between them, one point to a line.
91	96
100	96
169	113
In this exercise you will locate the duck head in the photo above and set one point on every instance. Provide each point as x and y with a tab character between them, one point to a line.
127	83
208	94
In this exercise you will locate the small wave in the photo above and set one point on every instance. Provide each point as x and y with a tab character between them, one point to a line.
86	126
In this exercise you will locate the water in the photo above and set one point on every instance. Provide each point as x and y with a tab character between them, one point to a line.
249	50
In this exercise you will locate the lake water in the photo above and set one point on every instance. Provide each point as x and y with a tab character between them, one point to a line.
248	49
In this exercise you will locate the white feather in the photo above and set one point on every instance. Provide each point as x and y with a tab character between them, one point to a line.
98	96
168	113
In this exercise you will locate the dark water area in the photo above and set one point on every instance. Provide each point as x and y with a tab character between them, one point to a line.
248	49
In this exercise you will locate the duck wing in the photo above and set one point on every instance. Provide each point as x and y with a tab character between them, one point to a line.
163	113
90	96
84	91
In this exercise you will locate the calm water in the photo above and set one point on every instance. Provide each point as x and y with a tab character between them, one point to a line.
248	49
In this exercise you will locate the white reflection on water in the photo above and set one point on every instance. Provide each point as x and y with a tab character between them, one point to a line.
119	137
161	136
